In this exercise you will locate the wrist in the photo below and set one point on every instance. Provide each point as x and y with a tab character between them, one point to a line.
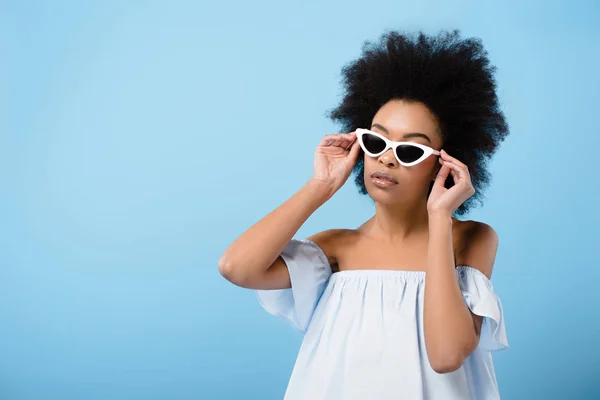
439	217
323	189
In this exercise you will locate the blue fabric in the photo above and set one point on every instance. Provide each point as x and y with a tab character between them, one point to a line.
364	332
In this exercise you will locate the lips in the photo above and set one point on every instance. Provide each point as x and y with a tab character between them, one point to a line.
384	176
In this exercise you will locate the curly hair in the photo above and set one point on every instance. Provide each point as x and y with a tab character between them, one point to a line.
450	75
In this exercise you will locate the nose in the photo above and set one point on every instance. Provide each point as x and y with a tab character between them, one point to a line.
389	159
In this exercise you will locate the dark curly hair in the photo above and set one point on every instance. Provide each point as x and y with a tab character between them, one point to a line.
450	75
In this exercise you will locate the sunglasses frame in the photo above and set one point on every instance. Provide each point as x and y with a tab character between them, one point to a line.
427	151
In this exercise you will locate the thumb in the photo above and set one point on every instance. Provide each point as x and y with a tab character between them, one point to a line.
442	175
354	150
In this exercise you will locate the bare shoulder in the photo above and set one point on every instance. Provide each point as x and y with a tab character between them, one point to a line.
471	227
478	244
329	241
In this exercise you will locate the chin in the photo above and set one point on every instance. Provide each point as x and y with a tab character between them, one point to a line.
389	196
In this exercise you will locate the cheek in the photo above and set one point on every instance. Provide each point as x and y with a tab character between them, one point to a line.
426	169
370	163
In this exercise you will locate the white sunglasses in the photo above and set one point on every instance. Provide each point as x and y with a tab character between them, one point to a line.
407	153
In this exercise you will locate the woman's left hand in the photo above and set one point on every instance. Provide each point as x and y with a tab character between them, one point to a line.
446	201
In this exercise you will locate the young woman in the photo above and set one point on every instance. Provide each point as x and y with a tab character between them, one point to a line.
402	307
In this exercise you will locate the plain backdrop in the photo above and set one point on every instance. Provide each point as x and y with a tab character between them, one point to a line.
138	139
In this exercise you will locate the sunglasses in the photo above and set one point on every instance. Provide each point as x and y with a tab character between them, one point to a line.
407	153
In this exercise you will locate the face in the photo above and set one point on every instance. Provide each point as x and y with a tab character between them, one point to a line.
404	121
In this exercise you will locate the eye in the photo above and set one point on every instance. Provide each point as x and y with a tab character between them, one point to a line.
373	143
409	153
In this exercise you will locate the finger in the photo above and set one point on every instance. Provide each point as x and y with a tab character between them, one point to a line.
338	139
446	156
442	175
450	166
346	135
349	144
330	140
455	164
346	140
354	151
343	141
456	171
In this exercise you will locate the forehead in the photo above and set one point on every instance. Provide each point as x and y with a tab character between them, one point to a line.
400	117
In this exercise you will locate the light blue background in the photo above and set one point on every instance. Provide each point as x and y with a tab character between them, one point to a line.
115	205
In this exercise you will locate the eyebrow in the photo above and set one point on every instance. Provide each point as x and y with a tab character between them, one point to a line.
406	135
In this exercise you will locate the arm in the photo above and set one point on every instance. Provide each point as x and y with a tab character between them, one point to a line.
451	329
253	260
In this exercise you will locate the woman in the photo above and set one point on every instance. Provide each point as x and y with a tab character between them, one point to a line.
401	307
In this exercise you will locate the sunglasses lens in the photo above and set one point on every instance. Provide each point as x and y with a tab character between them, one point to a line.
373	144
408	153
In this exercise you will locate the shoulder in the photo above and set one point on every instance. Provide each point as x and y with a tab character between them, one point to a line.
329	241
471	229
478	245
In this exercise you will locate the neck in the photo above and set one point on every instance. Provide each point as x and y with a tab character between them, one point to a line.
398	222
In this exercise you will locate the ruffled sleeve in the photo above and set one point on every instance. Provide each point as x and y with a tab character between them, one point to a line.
309	272
479	295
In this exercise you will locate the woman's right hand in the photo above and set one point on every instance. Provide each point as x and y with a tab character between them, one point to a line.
335	157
